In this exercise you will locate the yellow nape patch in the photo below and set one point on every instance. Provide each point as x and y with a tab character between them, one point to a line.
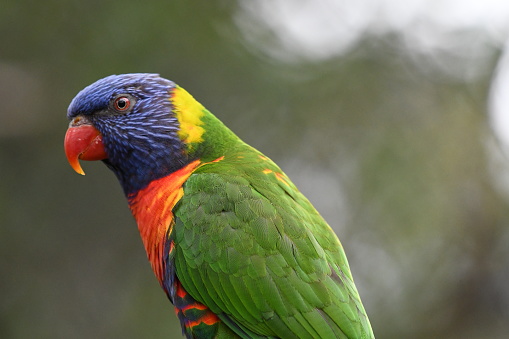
189	113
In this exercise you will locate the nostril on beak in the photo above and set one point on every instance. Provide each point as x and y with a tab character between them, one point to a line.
77	121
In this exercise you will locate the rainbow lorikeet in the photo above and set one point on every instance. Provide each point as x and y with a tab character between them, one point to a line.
239	251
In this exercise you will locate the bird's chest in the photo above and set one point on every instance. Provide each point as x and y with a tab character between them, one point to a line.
152	207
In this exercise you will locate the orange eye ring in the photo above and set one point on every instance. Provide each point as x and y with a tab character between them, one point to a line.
122	104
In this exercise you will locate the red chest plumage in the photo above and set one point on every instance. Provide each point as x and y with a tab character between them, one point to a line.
152	208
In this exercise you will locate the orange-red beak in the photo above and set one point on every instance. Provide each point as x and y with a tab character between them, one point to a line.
83	142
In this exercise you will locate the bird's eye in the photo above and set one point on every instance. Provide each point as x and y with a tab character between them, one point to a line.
122	104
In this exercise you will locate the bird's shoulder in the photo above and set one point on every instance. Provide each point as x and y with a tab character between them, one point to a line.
244	234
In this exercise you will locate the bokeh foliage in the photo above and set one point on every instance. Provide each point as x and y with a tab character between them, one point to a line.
391	151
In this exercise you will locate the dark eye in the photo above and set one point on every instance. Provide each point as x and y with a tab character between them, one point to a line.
122	104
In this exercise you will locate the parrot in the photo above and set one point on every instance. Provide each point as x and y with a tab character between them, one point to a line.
239	251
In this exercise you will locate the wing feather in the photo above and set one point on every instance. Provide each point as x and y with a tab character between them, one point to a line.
254	250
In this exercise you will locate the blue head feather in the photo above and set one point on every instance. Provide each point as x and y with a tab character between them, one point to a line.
142	143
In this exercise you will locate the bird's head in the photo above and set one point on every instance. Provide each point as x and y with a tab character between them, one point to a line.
141	125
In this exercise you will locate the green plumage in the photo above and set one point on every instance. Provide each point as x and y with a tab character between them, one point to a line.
238	249
253	249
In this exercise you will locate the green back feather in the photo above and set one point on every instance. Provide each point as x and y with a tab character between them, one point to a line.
253	249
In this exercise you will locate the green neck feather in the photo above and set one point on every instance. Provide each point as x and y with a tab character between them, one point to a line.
205	137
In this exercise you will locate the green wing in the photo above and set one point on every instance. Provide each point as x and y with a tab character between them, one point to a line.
253	249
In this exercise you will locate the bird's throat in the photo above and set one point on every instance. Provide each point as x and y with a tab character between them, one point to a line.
152	208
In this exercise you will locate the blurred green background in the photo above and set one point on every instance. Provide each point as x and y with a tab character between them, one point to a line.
378	111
